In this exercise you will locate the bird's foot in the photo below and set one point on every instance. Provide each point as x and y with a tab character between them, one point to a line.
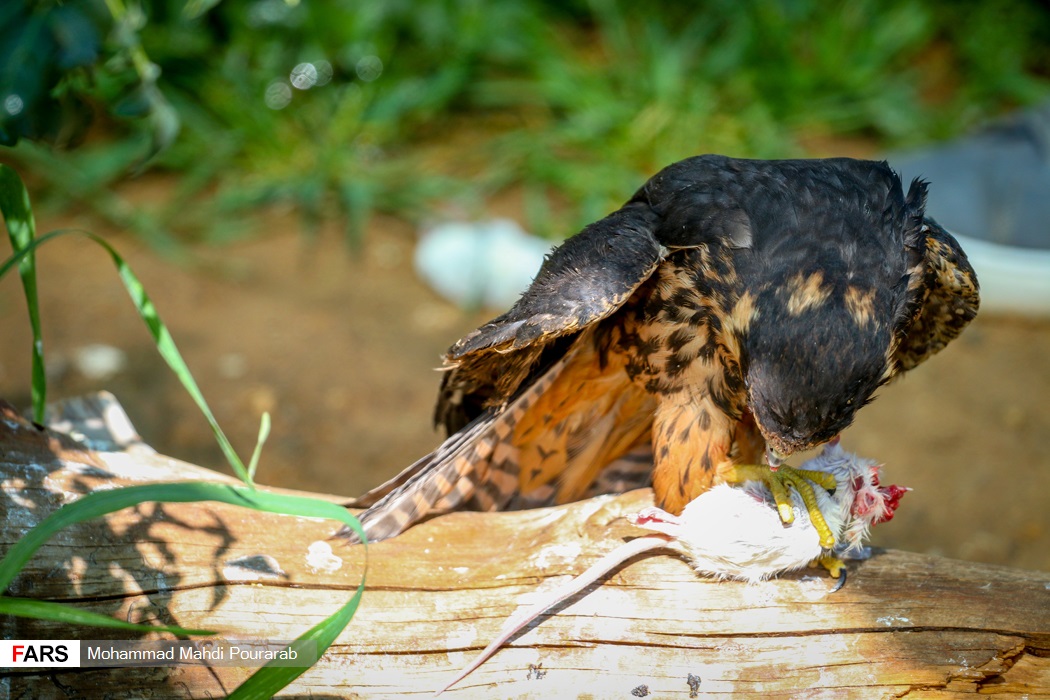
833	564
802	480
835	567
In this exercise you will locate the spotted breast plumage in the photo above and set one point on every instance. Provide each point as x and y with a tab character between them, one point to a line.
732	312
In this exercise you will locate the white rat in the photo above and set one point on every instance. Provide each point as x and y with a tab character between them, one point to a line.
736	532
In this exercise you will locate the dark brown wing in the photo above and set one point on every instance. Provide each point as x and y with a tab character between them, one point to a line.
948	301
591	276
586	279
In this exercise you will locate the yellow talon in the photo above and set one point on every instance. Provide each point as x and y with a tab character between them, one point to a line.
778	481
833	564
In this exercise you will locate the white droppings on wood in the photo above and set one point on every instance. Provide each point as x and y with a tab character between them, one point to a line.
563	552
321	559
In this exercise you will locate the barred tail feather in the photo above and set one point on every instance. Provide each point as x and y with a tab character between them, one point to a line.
475	468
435	484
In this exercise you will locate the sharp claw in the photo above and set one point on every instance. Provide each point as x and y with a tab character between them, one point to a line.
835	566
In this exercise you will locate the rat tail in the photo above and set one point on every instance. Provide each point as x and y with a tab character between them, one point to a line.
523	617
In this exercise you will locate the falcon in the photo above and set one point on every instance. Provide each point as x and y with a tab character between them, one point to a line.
731	314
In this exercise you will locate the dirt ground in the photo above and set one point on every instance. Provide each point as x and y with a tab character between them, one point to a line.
342	349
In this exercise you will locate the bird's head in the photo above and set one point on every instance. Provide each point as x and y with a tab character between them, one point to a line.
809	373
833	280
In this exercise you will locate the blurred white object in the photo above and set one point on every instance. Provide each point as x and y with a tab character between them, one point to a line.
99	362
486	263
991	189
1012	279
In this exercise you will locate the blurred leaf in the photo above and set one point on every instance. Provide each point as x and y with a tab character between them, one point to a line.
196	8
83	177
39	47
21	229
592	86
164	124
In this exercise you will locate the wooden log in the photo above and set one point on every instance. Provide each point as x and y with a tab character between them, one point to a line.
905	625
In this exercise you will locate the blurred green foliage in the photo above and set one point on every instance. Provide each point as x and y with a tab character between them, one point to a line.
343	108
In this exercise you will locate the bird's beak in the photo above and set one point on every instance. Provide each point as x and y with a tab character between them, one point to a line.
774	458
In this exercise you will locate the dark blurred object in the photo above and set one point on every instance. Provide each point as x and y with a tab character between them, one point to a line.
992	189
44	49
994	184
55	65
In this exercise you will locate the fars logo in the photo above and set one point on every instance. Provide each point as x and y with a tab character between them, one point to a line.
49	653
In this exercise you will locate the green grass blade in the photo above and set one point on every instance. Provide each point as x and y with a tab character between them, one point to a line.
166	347
265	682
161	337
264	433
58	612
100	503
21	228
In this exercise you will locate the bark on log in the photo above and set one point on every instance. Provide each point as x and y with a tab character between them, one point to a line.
905	625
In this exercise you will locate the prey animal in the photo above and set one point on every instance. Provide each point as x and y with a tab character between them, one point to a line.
730	314
736	532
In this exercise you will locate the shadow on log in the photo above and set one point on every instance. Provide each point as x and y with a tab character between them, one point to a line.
905	625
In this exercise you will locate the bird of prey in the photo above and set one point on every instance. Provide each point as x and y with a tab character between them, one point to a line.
732	313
